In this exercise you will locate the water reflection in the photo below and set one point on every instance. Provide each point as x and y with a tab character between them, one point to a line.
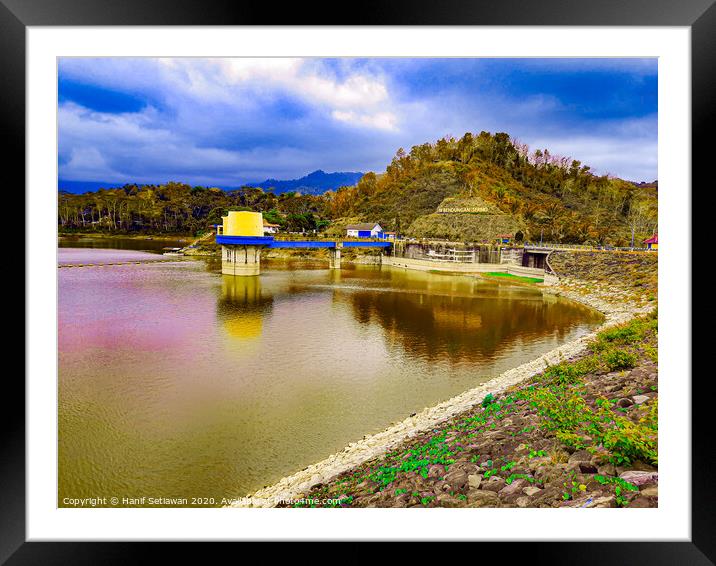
461	319
242	306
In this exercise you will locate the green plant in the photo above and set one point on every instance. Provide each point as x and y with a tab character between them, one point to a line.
628	441
619	359
620	486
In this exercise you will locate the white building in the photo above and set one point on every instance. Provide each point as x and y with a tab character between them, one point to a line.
367	230
271	228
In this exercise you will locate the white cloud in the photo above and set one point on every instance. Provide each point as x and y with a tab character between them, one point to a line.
380	120
631	158
246	82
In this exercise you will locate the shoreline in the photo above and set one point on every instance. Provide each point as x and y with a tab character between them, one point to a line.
293	486
141	237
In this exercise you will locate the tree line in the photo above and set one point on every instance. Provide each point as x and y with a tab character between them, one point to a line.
178	208
557	198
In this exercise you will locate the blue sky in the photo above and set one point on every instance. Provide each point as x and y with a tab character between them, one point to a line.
233	120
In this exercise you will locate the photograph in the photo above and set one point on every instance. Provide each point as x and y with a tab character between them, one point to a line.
358	282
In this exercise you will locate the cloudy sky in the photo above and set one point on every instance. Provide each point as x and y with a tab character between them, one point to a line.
228	121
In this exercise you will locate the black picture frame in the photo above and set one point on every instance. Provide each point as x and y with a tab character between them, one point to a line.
17	15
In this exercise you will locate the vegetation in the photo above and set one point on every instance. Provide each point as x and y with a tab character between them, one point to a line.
533	193
553	196
177	208
515	278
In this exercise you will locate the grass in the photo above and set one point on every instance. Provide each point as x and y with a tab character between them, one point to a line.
516	278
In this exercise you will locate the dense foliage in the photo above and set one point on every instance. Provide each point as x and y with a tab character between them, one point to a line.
553	196
179	208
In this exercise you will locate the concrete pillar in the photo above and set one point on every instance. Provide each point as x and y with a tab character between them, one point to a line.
243	261
334	258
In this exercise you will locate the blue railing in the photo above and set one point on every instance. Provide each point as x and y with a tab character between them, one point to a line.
270	242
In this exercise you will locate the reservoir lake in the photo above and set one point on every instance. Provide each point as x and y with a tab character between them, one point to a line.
179	382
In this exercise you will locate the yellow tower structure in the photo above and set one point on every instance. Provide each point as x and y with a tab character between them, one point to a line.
242	236
243	223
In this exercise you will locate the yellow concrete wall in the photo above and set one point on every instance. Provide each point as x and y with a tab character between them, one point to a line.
243	223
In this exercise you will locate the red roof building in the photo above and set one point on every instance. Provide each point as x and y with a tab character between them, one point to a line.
653	242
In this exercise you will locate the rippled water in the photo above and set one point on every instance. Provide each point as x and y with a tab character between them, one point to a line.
177	381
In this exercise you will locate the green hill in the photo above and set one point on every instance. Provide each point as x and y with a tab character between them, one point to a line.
535	193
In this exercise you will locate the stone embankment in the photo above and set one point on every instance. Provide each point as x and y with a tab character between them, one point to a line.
504	443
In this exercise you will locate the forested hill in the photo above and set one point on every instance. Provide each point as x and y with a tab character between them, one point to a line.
315	183
469	189
540	193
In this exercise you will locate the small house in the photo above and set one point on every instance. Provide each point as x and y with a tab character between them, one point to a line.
389	235
653	242
271	228
504	238
367	230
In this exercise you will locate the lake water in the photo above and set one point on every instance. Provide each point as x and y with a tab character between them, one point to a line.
176	381
119	243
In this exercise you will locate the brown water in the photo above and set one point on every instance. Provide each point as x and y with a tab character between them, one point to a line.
176	381
119	243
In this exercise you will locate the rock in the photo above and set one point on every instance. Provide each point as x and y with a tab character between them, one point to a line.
639	399
642	502
401	500
447	500
639	477
523	501
624	402
587	468
474	481
531	490
494	483
549	496
469	468
536	463
607	470
370	500
514	488
436	471
580	456
651	491
604	501
457	478
481	498
547	474
494	435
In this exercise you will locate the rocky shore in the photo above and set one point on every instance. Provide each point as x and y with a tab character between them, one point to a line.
576	427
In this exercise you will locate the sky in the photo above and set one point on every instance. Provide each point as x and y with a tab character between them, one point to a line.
228	121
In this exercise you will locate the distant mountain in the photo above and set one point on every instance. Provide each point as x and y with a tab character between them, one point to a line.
79	187
315	183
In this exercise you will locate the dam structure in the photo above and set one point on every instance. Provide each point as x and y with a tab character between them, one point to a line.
241	237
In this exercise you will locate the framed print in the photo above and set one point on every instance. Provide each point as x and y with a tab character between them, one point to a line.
405	269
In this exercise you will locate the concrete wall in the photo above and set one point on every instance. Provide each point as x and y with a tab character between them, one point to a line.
241	260
427	265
